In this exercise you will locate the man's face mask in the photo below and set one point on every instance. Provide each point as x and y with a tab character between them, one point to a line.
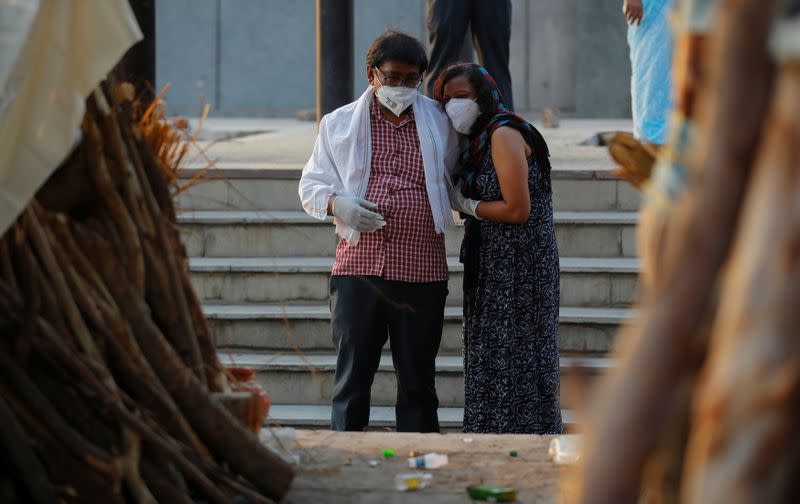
463	113
395	98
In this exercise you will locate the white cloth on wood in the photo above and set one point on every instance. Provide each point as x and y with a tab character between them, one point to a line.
53	53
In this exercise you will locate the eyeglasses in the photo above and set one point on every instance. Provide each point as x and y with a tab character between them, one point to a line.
393	80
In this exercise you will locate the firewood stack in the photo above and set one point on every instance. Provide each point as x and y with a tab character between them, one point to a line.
107	365
704	403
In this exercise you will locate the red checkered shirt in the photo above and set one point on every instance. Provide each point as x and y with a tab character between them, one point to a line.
407	248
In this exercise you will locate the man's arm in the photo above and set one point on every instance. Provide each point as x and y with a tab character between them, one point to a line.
320	180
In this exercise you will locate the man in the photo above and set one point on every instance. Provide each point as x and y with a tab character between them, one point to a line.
490	22
381	167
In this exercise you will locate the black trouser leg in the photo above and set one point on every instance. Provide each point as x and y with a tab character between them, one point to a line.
491	28
447	26
358	324
416	317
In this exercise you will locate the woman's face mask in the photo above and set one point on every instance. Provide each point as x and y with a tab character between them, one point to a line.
463	113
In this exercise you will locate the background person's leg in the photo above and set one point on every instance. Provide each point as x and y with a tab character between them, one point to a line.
415	329
358	326
447	26
491	28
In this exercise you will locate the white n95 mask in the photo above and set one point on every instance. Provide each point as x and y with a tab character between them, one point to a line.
396	98
463	113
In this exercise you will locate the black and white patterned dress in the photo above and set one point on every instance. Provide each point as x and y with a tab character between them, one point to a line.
511	362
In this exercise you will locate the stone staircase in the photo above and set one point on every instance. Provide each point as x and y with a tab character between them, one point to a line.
261	267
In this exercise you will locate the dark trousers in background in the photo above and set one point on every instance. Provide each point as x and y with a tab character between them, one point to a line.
364	311
491	32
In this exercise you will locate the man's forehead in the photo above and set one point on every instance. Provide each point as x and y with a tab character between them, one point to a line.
399	67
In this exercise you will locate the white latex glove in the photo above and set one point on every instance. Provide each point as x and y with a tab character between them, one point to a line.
357	213
462	204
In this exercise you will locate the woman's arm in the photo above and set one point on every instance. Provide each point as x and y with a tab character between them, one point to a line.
510	162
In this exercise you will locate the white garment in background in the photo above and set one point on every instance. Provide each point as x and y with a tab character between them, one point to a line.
54	53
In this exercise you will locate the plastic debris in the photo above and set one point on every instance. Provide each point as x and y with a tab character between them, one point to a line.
491	493
412	481
428	461
565	449
467	439
374	463
388	453
513	453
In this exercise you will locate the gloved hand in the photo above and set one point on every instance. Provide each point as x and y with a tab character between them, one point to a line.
357	213
461	203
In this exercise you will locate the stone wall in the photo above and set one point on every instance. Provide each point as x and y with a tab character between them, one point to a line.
257	57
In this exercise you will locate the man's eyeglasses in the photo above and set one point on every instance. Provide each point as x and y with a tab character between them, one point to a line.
410	81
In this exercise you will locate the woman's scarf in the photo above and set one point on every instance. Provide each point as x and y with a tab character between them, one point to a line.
471	161
479	142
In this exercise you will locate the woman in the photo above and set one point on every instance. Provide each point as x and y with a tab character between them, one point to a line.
511	270
650	41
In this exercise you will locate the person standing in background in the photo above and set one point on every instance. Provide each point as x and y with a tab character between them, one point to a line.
490	22
650	41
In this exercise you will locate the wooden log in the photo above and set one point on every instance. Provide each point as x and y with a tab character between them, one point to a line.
163	489
745	446
166	271
244	406
115	208
27	467
51	346
40	245
39	406
631	410
221	432
128	358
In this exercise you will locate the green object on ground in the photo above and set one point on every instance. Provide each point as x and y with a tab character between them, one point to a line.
388	453
513	453
490	493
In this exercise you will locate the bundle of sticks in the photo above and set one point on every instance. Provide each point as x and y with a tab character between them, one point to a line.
703	405
107	365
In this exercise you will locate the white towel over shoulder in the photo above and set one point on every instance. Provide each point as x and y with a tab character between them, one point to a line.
340	163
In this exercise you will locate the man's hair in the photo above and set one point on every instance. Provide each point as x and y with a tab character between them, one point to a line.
394	45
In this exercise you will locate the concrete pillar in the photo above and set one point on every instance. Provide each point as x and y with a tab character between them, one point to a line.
138	66
334	55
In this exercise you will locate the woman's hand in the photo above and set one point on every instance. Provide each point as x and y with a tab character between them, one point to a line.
462	204
633	11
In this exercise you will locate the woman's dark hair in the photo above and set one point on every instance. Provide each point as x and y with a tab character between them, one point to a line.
483	92
394	45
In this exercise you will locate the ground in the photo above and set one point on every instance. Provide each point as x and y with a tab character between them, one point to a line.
286	143
335	467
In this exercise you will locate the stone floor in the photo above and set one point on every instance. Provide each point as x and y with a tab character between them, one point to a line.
242	143
335	467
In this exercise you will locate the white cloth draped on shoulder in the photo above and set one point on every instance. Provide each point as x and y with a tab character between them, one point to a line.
340	162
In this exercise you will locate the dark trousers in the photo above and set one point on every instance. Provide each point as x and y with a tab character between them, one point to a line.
491	32
363	310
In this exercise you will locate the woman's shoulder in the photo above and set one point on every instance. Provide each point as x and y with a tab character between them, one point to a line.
508	139
507	136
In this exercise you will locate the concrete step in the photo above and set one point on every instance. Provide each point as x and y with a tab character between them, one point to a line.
584	281
285	234
272	189
308	378
283	328
311	416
